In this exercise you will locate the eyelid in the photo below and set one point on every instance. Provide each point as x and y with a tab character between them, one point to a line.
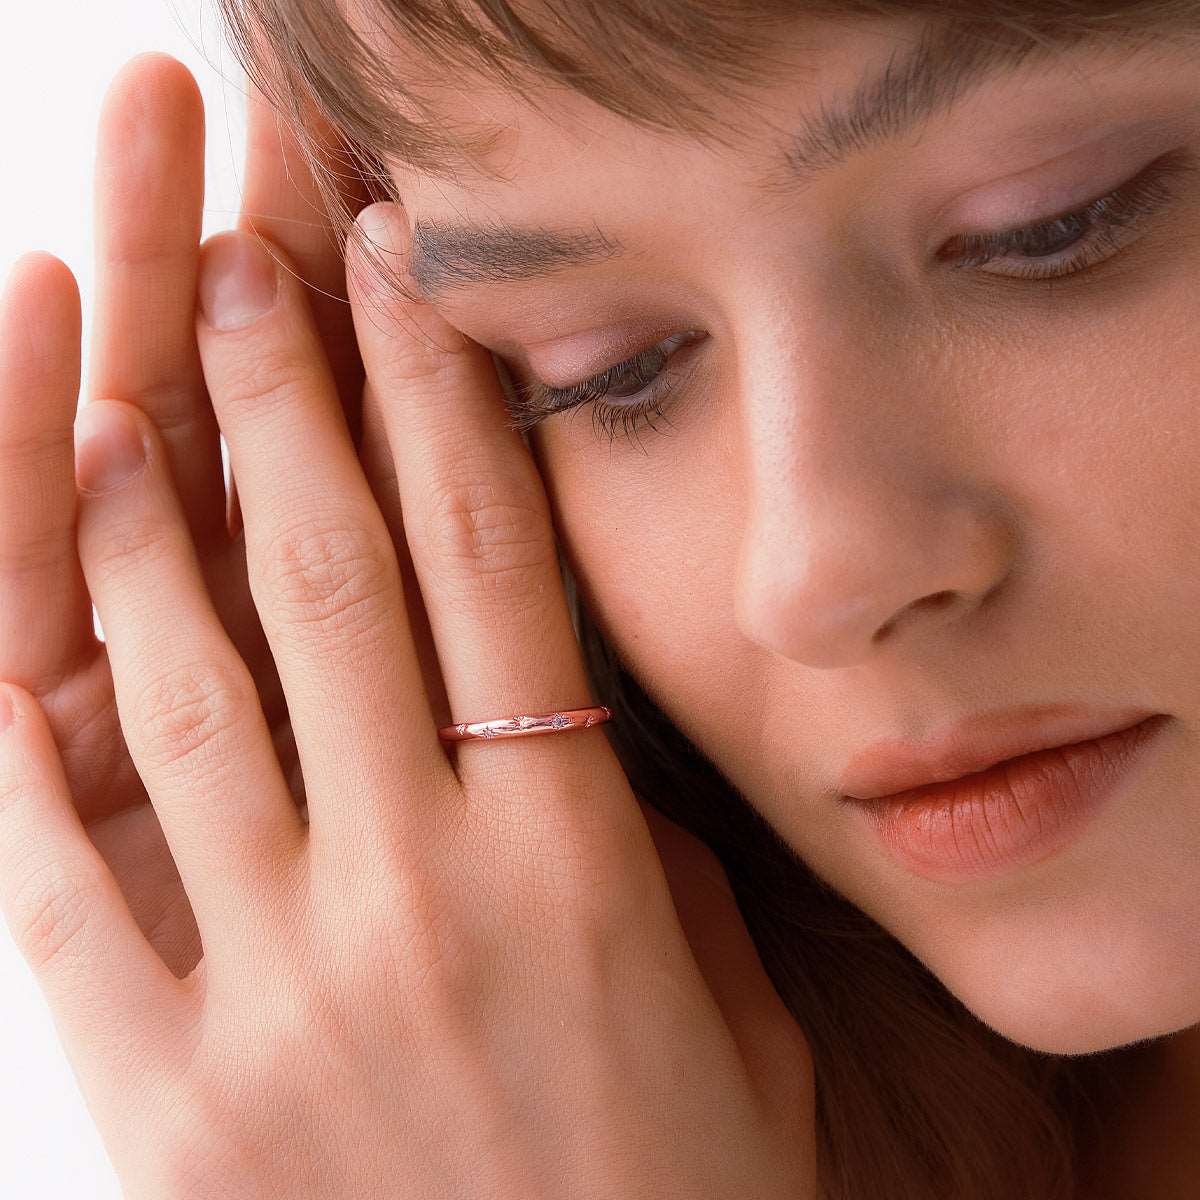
603	355
1049	212
671	346
583	355
1049	189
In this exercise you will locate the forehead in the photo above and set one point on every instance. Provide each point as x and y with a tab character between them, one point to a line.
832	92
850	95
558	147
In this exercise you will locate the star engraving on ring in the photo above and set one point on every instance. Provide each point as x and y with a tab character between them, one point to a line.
524	723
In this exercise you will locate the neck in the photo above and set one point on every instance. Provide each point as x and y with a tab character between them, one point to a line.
1152	1152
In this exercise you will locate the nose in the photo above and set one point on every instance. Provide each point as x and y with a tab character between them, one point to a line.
865	527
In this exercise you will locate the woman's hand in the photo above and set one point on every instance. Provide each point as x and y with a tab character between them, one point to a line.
486	973
149	194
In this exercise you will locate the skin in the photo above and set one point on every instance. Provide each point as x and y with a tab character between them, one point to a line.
864	431
148	197
369	984
773	642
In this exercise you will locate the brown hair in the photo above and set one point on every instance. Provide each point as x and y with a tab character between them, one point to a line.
916	1098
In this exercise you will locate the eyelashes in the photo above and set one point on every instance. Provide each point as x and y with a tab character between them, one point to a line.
644	372
1086	234
1064	245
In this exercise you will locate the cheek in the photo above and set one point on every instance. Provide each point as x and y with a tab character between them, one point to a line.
1102	455
652	539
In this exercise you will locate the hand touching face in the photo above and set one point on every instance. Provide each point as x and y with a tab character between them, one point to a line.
484	967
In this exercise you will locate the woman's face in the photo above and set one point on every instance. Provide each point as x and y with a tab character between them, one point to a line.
894	486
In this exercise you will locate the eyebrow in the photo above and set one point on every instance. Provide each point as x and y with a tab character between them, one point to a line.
939	72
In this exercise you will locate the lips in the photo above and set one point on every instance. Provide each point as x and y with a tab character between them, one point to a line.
1018	812
888	768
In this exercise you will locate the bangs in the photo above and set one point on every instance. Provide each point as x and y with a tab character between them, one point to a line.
655	63
373	69
374	72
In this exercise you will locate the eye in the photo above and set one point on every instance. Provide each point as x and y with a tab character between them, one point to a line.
1074	241
643	382
1062	245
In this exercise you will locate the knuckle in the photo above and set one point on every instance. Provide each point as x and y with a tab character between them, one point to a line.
172	402
123	545
431	945
429	366
324	576
28	461
573	861
482	537
35	552
260	385
49	912
148	246
36	451
192	712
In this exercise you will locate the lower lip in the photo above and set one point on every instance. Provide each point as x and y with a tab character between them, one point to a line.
1013	814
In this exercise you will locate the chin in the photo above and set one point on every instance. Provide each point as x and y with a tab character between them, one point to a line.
1090	1032
1098	996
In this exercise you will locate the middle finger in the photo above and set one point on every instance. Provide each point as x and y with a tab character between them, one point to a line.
320	560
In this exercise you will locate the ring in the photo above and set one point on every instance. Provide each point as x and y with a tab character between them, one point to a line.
522	726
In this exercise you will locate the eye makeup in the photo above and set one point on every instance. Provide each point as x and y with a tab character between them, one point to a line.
635	391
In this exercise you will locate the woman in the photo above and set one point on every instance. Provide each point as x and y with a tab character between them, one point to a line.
911	296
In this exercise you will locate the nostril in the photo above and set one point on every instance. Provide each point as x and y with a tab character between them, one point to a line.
936	601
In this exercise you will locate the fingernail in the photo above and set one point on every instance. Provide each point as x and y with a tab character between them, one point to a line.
238	282
384	230
108	448
381	223
6	710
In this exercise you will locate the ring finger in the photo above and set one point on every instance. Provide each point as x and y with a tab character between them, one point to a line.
187	703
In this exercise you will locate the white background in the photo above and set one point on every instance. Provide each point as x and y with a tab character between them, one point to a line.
57	58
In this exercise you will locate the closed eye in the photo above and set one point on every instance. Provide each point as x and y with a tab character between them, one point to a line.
642	380
1074	241
1059	246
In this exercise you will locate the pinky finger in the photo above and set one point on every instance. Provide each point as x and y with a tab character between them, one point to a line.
109	993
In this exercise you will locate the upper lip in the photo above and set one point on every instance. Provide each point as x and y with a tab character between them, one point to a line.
892	766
